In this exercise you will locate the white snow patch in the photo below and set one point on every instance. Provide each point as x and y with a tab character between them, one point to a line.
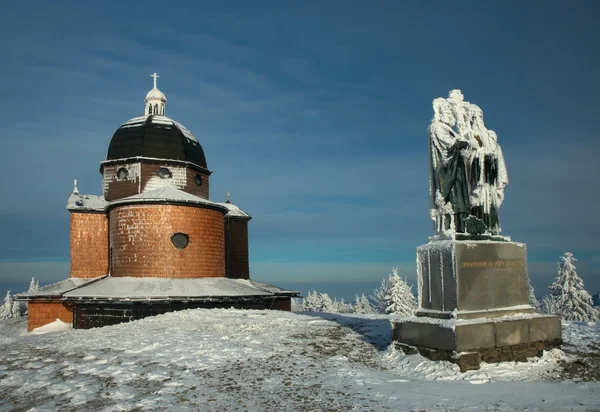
266	360
53	327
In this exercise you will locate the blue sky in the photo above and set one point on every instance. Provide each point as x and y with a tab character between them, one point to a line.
313	114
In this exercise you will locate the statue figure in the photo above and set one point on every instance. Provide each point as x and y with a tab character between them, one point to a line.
467	169
449	187
488	175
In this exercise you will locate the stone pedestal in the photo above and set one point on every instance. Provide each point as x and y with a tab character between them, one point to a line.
474	305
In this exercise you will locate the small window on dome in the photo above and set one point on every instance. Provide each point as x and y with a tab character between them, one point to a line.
122	174
149	109
155	109
164	173
198	179
180	240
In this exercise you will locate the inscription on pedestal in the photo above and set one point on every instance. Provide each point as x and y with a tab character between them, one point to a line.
491	275
475	279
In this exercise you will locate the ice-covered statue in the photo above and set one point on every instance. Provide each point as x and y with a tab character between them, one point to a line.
467	173
474	302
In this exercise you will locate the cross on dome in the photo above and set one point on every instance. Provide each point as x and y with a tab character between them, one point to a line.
155	100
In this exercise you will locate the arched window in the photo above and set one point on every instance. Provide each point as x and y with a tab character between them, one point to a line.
149	109
155	109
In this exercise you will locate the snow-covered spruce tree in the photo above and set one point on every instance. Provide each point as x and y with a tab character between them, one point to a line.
400	297
33	285
317	302
311	302
6	310
380	302
573	302
362	304
298	305
339	306
532	299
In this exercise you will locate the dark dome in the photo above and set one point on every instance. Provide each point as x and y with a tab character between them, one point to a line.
157	137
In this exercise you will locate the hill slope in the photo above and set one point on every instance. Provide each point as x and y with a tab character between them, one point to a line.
267	360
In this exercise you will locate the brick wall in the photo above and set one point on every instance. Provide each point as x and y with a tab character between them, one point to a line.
143	177
140	239
236	249
42	312
116	189
193	188
89	245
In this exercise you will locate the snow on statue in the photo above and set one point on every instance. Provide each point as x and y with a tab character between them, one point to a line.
467	169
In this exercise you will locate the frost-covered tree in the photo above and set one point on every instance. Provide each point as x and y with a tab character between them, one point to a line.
380	302
298	305
532	299
7	309
573	302
400	298
362	304
33	285
339	306
311	302
317	302
548	305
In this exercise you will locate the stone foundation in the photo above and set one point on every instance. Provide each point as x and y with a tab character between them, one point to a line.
470	342
471	360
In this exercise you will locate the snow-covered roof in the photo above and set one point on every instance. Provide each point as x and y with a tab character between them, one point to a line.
235	211
159	120
167	194
135	288
154	93
59	288
77	202
153	160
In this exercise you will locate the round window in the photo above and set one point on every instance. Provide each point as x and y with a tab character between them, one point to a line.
164	173
122	173
198	179
180	240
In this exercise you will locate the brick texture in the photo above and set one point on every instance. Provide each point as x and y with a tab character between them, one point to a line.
142	177
236	249
140	240
115	189
89	245
193	188
42	313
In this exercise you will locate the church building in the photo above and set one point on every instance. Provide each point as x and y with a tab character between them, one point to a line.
153	241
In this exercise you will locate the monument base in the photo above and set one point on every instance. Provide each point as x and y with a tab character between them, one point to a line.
470	342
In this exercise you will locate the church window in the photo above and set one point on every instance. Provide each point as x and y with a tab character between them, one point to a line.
122	174
155	109
164	173
198	179
180	240
149	109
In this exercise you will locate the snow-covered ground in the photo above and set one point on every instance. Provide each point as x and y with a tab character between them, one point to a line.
225	360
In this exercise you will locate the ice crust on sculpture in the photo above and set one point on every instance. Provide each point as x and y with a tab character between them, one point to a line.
467	169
